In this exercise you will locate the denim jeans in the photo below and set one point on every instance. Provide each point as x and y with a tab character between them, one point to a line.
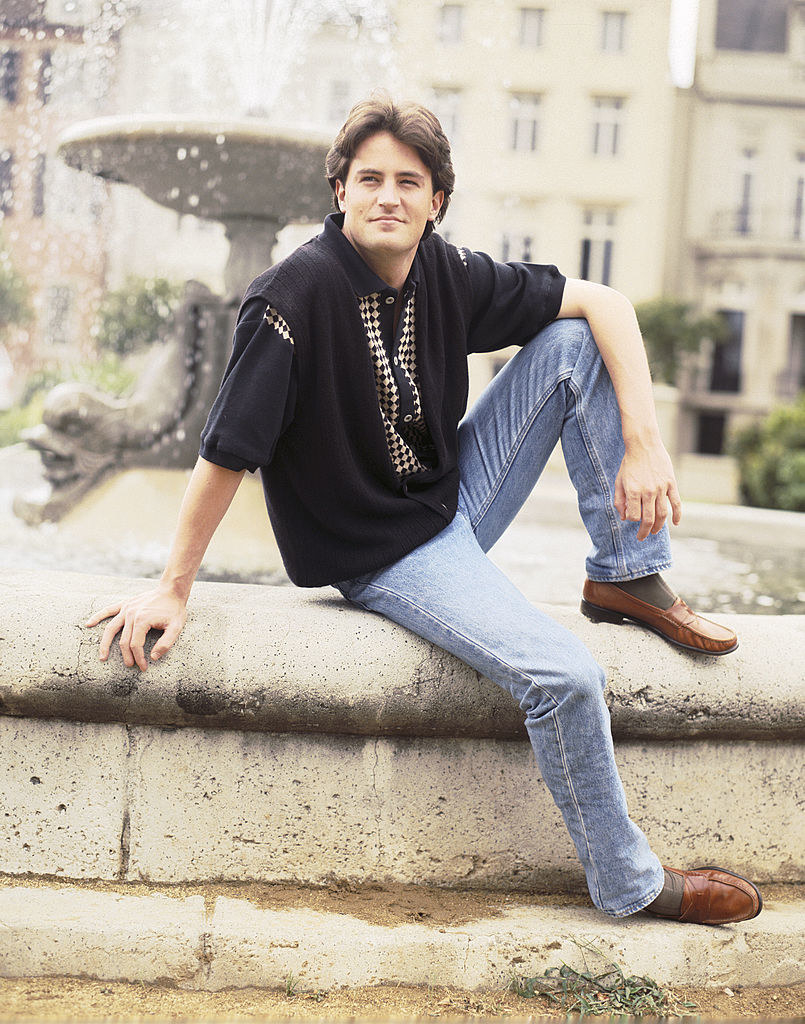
448	591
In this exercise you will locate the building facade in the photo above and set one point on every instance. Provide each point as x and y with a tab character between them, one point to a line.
741	249
52	219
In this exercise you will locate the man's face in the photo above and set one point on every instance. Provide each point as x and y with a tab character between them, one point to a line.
387	199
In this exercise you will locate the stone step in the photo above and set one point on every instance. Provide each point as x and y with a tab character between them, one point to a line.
233	942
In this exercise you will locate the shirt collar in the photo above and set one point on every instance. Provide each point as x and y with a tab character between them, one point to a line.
363	279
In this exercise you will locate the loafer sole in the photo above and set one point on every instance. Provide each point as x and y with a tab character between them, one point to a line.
597	614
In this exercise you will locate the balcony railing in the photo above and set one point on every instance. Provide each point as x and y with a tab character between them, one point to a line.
769	227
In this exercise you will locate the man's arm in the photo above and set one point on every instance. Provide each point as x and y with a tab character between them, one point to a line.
209	494
645	483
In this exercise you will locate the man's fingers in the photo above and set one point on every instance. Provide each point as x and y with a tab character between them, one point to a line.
107	612
660	513
139	632
109	634
646	518
676	504
167	640
619	498
125	641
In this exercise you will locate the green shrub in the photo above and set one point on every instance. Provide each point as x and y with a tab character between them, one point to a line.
669	330
15	307
771	459
136	314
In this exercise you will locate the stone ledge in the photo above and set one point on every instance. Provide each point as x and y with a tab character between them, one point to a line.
265	659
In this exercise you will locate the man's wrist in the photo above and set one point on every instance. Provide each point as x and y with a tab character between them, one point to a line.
637	436
177	586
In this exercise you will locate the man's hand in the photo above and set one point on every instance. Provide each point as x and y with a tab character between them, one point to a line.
644	486
156	609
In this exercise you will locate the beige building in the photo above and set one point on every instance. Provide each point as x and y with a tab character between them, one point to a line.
52	219
741	249
559	112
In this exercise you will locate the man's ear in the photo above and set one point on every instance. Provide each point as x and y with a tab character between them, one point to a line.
340	192
436	205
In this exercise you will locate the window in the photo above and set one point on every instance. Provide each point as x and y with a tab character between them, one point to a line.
58	314
597	245
795	371
759	26
743	213
524	133
38	203
725	370
451	23
445	105
45	73
613	31
607	125
532	27
516	247
711	429
6	182
798	232
10	69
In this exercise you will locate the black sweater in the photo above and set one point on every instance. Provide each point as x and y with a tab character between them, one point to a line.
338	507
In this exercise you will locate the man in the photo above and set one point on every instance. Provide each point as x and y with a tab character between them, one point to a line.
346	388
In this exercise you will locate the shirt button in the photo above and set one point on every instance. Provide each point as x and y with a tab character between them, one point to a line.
408	418
389	299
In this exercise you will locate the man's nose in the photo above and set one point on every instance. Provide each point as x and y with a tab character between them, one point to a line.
389	194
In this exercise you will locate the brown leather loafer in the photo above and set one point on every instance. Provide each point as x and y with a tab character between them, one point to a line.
679	625
715	896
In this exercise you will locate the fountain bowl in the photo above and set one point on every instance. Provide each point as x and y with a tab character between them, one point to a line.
218	169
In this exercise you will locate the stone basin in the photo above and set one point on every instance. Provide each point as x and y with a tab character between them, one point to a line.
220	170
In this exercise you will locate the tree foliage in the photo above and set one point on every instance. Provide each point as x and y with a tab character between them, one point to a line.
15	305
771	459
670	329
136	314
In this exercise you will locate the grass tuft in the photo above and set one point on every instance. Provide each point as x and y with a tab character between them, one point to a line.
609	991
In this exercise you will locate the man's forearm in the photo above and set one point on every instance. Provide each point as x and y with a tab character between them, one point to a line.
614	325
209	494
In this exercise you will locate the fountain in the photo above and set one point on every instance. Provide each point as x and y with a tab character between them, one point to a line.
247	174
244	174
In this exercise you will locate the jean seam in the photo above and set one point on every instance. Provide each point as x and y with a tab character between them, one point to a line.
532	682
517	444
592	454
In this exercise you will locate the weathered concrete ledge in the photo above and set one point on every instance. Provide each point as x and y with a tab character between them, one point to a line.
291	737
265	659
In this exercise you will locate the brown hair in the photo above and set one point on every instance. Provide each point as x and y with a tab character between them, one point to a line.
409	123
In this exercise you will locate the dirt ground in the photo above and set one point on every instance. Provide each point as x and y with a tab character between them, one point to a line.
77	999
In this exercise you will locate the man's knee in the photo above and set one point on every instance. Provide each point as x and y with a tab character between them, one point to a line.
578	679
562	341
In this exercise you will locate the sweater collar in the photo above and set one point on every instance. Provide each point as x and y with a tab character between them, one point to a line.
363	279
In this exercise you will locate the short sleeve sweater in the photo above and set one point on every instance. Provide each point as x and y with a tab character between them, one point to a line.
300	397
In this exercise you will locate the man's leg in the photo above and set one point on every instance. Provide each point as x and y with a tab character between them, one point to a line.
449	592
557	387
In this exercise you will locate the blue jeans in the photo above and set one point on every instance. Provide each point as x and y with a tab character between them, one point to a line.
449	592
